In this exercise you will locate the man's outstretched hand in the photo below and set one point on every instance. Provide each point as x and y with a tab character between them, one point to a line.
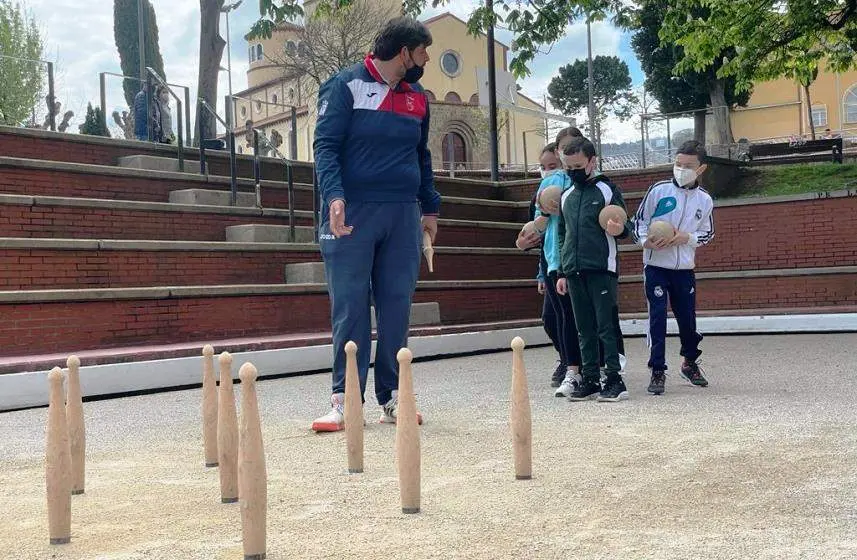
337	219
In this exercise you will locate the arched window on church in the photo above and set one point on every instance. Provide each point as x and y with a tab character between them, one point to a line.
430	95
452	97
259	51
474	99
850	103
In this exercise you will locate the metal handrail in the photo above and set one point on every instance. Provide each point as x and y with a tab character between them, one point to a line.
293	131
289	177
103	86
233	173
52	116
152	74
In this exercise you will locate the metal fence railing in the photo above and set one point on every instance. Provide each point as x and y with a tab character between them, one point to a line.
230	142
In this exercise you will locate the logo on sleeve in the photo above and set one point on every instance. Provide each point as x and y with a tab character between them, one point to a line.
699	213
322	108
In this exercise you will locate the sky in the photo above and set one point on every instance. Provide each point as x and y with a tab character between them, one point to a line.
79	39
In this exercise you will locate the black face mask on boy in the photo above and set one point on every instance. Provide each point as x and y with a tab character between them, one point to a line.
578	176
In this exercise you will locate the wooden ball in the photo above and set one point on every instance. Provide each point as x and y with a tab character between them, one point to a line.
613	211
660	229
550	197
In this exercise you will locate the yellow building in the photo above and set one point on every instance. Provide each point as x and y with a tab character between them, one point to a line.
459	125
779	108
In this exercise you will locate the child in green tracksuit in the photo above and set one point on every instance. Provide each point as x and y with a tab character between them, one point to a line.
589	271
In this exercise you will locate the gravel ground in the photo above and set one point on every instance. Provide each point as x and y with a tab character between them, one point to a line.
758	465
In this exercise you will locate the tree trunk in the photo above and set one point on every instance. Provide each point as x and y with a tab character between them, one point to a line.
699	126
210	53
717	92
809	110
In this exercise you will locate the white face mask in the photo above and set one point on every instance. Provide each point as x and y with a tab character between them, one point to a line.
684	176
548	173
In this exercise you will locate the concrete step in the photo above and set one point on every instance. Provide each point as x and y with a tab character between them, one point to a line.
422	314
155	163
266	233
305	273
211	197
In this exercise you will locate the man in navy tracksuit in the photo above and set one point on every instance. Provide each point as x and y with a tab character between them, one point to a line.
375	175
669	263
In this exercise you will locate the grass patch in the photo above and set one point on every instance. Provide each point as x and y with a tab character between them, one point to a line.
776	180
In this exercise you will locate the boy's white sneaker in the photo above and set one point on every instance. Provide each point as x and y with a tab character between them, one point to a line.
334	420
568	385
390	410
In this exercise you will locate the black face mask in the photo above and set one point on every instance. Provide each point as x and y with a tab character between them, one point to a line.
414	73
578	176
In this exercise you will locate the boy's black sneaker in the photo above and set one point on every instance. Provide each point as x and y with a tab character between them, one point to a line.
614	390
585	391
693	373
656	385
558	374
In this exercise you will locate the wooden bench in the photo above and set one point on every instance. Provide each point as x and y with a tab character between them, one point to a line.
796	152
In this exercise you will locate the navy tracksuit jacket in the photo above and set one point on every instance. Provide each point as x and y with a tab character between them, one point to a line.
371	150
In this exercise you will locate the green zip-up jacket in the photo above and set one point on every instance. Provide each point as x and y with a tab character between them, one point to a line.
583	244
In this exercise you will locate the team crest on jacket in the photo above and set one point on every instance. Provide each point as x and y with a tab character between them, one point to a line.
659	292
699	213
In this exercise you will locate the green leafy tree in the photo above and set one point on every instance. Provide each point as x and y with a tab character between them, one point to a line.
611	90
94	124
21	81
536	24
126	34
768	34
686	92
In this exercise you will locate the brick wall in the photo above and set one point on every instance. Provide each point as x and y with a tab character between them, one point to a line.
29	269
797	234
111	223
750	293
30	329
79	149
26	269
463	236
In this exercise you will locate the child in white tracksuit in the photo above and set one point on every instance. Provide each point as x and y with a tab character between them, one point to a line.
669	263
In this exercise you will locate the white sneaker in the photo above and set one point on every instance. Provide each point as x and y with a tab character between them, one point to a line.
334	420
390	410
569	384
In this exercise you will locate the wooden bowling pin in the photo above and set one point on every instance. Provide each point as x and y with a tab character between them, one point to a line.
209	407
227	434
428	250
252	473
76	430
408	436
521	421
58	463
353	410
